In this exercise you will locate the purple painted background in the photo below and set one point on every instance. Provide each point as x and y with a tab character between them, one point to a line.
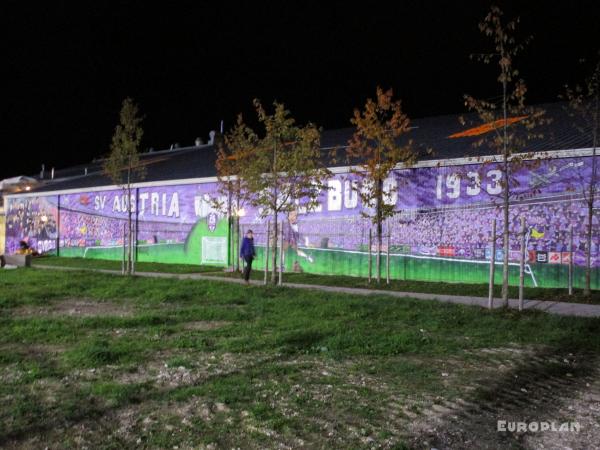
443	210
164	214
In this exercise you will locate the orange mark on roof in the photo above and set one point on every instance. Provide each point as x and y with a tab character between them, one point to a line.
486	128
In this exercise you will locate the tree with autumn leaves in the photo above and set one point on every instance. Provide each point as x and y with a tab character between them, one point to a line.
273	170
123	166
231	150
583	104
276	170
378	147
508	140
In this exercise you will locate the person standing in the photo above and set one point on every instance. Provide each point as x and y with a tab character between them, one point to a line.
247	252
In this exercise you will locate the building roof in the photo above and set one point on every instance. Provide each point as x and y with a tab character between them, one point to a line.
436	138
14	182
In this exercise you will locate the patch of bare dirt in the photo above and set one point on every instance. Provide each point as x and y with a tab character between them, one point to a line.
33	351
134	426
531	389
73	307
340	404
164	370
205	325
12	373
584	409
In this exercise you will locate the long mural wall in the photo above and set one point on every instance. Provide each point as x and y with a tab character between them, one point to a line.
441	232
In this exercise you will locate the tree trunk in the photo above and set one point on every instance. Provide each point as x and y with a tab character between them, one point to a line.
522	264
379	232
232	250
571	260
129	218
370	252
588	260
128	203
267	250
506	244
128	238
492	266
387	259
379	227
280	268
588	246
275	211
274	255
134	225
506	196
124	247
237	237
237	228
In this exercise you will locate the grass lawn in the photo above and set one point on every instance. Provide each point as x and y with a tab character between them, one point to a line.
91	263
96	360
428	287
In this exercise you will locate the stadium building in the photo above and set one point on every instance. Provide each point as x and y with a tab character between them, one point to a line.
446	204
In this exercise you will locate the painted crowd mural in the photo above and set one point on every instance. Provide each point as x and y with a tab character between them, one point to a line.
441	232
33	220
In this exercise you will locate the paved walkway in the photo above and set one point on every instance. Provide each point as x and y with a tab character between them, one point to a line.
560	308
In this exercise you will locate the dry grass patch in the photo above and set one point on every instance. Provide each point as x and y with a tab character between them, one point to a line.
205	325
75	307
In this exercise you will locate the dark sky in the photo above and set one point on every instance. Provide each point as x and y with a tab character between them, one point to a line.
189	65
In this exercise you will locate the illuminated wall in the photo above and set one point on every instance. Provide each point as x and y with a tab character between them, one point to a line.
442	231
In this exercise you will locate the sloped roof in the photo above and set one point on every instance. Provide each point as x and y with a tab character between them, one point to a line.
441	137
8	183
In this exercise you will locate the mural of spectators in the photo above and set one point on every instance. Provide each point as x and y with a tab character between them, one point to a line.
31	219
465	230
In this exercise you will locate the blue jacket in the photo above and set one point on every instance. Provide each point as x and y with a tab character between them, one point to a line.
247	249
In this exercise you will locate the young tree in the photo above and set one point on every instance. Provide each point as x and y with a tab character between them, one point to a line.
277	168
508	140
123	166
375	144
230	155
584	104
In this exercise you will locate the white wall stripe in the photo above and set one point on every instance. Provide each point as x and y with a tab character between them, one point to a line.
573	153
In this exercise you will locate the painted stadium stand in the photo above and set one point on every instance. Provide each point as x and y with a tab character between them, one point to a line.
446	205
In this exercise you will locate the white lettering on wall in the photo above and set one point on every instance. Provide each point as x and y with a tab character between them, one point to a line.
494	187
154	203
350	194
452	184
390	191
116	204
99	202
143	198
334	195
474	186
174	206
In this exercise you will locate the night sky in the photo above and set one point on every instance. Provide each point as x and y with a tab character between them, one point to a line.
189	65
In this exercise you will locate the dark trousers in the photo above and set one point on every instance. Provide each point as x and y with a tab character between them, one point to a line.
248	267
